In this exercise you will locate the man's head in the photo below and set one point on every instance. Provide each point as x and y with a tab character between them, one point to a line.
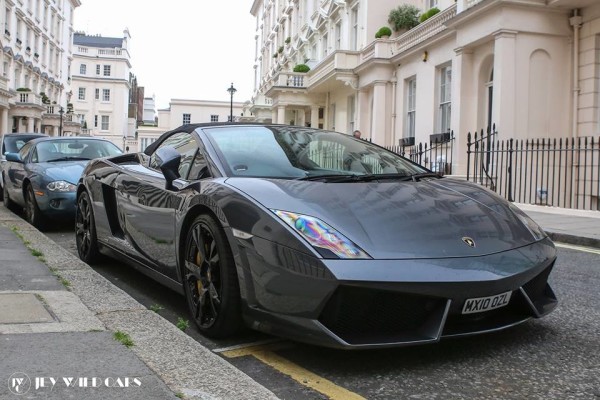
356	134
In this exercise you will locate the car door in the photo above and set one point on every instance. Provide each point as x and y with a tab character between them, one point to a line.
148	210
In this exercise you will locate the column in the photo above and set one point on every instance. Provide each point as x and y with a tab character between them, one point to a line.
505	67
273	115
4	123
362	113
314	116
281	114
30	124
464	105
378	132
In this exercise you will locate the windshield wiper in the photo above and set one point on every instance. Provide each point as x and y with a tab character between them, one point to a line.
69	159
418	177
330	178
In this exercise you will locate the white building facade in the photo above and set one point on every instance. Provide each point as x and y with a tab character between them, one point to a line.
36	54
531	67
100	83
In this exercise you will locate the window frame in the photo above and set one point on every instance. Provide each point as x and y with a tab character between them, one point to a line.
445	98
411	107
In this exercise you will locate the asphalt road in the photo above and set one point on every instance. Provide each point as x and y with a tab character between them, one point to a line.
557	357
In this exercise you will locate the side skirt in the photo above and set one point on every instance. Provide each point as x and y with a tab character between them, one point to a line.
157	276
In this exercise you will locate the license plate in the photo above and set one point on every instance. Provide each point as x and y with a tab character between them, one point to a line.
481	304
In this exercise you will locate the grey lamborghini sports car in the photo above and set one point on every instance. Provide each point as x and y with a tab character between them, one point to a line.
316	236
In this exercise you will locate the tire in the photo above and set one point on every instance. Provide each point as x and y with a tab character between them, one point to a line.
33	215
85	230
210	280
8	203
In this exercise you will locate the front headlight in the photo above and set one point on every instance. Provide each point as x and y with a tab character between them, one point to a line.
61	186
536	231
322	236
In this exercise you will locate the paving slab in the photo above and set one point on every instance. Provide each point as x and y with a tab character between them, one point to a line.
22	308
76	355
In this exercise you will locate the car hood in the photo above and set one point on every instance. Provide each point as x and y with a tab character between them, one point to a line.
69	171
392	220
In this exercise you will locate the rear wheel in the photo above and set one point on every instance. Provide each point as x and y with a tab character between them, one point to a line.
85	230
8	203
210	280
32	211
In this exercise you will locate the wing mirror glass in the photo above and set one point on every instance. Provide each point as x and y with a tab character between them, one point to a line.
168	160
13	157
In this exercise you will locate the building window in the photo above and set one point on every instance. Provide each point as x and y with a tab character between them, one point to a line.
98	69
105	94
354	32
81	93
351	113
107	70
95	121
97	97
82	69
214	118
187	118
324	44
432	3
332	117
105	123
411	107
445	98
338	35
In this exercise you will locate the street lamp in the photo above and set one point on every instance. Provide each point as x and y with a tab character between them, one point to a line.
231	91
61	111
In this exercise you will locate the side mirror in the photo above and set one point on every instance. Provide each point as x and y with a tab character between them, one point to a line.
14	157
168	160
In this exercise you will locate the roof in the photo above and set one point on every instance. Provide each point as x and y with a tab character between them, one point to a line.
97	41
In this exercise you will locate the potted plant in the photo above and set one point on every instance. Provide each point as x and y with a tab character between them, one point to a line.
280	50
428	14
288	40
404	17
23	89
383	33
301	68
36	55
275	55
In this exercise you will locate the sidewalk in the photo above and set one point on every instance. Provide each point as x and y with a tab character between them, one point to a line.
50	331
577	227
57	321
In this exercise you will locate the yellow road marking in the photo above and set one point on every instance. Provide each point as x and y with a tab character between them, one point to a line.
296	372
579	248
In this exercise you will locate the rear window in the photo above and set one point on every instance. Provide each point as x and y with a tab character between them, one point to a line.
14	144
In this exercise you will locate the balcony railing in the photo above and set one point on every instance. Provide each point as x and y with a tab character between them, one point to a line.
425	30
28	98
88	51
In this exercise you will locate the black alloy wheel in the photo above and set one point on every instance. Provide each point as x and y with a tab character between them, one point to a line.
85	230
210	280
33	215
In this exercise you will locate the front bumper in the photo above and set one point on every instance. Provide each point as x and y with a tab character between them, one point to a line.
57	204
385	303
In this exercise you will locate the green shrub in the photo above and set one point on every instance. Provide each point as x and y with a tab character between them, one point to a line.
301	68
23	89
383	31
288	40
404	17
280	50
428	14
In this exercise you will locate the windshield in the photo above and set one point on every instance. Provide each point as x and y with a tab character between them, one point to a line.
73	149
299	153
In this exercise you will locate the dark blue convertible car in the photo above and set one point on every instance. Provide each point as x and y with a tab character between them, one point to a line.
316	236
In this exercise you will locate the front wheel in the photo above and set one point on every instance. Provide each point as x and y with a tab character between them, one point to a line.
210	279
32	211
85	230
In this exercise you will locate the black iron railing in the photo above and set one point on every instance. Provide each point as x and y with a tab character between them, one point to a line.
553	172
435	155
